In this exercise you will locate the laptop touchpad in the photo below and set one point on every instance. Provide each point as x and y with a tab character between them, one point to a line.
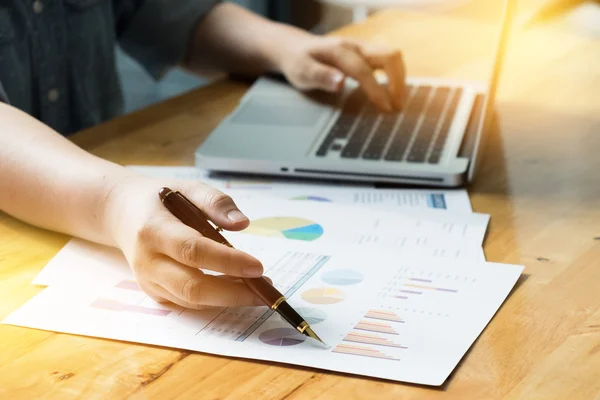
278	110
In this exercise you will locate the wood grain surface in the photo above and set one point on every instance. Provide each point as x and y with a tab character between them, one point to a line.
540	181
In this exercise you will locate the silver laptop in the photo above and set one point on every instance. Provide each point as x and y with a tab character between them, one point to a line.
435	140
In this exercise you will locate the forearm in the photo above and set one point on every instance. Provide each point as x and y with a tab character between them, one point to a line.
237	41
49	182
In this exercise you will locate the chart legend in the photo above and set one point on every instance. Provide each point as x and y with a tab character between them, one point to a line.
371	339
373	326
362	351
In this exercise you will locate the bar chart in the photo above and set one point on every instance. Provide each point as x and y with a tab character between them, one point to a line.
362	351
403	287
372	326
115	305
371	339
383	315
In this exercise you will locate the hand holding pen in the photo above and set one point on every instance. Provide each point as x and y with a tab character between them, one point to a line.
192	216
168	257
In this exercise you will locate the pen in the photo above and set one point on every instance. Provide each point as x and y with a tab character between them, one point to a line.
192	216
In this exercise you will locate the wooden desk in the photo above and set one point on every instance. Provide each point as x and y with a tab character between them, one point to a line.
540	182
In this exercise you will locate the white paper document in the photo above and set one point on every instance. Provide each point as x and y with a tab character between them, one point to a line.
314	221
81	262
424	232
456	200
383	316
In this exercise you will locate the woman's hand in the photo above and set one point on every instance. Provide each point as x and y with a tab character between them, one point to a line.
316	62
233	39
167	256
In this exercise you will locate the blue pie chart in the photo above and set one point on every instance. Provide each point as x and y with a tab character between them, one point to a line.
342	277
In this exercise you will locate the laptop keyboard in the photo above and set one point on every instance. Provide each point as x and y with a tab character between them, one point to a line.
417	134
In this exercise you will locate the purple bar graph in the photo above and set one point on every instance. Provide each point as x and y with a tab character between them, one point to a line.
410	291
429	288
446	290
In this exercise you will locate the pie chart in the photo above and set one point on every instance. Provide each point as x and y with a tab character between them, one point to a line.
342	277
323	296
312	198
312	316
286	227
281	337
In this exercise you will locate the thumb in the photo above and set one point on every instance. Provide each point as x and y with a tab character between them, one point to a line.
320	76
218	207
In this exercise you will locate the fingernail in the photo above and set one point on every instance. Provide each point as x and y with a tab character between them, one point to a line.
236	216
336	80
253	270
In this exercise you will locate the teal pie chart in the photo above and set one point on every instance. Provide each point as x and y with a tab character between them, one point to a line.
286	227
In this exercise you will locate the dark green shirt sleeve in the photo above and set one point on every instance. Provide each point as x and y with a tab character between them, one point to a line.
158	33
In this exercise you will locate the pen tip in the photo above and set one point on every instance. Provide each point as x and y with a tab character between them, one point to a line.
313	335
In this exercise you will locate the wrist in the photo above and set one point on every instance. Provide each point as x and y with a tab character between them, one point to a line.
279	44
122	194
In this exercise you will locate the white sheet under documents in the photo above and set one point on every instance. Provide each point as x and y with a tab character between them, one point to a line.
456	200
381	315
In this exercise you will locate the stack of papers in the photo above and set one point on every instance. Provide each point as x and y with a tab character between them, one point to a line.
394	280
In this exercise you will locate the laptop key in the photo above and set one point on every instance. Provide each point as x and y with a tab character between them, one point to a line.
322	152
411	118
361	133
440	140
434	158
428	126
398	148
343	125
380	138
417	154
